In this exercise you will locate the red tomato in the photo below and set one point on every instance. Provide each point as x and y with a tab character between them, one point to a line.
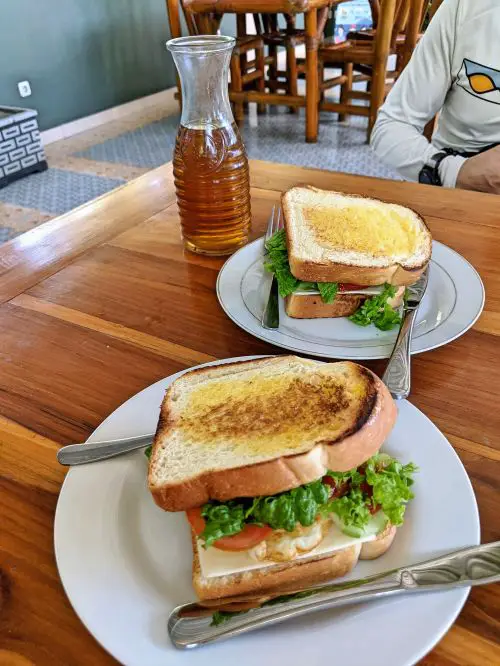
348	286
250	535
196	520
337	489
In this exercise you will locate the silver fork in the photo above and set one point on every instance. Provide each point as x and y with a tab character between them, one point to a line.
269	285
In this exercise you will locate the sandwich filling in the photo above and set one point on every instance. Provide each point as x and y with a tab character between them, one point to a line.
359	504
375	310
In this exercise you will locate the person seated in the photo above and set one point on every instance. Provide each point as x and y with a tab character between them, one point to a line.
455	70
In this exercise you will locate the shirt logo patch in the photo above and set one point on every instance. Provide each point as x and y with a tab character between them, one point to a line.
480	81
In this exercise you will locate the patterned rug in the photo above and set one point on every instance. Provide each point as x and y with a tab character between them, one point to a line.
56	191
277	136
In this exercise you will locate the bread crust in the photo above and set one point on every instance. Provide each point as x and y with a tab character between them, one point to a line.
271	581
375	420
310	306
373	549
317	271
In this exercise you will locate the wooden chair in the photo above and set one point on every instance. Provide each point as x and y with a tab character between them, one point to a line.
245	73
361	54
288	38
404	43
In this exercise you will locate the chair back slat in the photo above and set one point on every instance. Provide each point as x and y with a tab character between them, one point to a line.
412	30
375	11
174	18
385	27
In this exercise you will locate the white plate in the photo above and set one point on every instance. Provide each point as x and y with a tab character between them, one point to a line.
452	303
125	563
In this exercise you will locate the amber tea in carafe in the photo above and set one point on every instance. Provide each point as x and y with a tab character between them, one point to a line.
210	164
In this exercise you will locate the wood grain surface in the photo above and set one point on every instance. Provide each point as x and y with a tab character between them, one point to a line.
103	301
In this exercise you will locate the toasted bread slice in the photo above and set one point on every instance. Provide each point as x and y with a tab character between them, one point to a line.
258	585
262	427
310	306
334	237
279	579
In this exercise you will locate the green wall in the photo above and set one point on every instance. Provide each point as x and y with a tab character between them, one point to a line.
82	56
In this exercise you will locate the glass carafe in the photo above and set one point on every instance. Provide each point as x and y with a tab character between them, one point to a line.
210	164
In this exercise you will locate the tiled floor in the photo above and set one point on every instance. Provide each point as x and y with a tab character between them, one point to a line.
98	160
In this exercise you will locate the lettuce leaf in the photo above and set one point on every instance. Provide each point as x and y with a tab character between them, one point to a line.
391	484
222	519
381	482
328	291
300	505
353	510
377	311
277	263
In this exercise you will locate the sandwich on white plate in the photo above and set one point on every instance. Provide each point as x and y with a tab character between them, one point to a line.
277	464
343	255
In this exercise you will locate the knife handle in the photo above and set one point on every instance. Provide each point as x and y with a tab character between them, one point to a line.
397	375
191	625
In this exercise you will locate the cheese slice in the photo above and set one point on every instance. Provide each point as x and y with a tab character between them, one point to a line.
214	562
368	291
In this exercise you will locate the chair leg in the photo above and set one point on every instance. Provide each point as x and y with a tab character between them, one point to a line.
272	72
345	90
261	81
377	94
291	73
321	76
237	86
312	85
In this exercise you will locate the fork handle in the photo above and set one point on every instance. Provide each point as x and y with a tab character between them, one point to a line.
397	375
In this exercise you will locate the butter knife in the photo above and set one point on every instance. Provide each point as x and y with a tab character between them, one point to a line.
397	375
191	625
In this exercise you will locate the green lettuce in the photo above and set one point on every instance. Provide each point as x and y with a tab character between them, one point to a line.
328	291
382	482
277	263
353	510
377	311
300	505
391	482
221	520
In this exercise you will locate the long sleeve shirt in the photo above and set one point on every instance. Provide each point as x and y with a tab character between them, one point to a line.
454	70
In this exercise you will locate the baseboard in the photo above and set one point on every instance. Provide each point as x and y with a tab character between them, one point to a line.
96	119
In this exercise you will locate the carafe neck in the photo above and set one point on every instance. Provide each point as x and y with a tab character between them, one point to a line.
203	65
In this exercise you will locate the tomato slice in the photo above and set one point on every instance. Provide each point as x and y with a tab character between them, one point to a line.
348	286
196	520
250	535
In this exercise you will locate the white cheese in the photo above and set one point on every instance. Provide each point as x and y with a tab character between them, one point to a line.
214	562
368	291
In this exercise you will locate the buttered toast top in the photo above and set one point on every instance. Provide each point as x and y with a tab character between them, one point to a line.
264	426
329	233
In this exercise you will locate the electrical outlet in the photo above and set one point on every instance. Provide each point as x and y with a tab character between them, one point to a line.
24	88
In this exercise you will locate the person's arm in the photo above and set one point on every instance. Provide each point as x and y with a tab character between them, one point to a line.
415	99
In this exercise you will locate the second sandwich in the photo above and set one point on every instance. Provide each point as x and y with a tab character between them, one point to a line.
346	256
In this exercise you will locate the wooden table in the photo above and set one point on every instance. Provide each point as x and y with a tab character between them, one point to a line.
101	302
310	10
